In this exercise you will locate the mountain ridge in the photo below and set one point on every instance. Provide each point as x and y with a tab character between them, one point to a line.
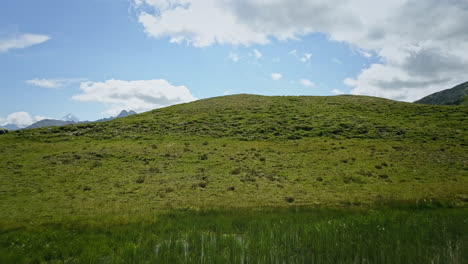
70	119
457	95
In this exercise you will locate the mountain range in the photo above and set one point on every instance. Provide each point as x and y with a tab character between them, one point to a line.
66	120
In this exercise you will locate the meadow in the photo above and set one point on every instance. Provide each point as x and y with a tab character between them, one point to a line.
242	179
299	235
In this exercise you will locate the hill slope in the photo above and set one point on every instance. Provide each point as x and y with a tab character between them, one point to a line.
237	151
457	95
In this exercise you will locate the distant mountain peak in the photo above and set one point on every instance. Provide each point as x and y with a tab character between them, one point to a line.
70	118
125	113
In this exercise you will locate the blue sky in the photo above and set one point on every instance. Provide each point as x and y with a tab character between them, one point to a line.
94	58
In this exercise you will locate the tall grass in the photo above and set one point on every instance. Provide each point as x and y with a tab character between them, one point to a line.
247	236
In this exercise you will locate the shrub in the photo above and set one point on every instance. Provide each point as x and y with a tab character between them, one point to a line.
231	188
140	179
262	159
203	157
319	179
154	170
86	188
289	199
235	171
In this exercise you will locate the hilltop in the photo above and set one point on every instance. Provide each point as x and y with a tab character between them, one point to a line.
237	151
457	95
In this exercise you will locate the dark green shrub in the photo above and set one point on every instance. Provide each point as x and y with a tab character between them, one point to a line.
236	171
140	179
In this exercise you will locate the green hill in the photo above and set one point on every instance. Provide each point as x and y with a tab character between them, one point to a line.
457	95
237	151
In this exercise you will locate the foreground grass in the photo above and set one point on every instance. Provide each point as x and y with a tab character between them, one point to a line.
251	236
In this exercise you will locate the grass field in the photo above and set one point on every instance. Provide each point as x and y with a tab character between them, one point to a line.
114	179
245	236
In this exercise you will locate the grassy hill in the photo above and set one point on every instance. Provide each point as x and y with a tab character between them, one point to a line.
237	151
457	95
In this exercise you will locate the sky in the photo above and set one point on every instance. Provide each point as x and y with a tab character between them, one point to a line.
94	58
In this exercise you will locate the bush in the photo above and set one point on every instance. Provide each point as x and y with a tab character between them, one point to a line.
203	157
289	199
236	171
140	179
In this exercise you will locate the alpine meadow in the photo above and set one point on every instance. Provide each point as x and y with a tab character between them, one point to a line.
230	174
233	131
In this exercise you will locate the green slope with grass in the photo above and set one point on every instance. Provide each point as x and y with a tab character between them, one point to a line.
237	151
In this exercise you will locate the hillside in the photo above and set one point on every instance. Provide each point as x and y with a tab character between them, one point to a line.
457	95
237	151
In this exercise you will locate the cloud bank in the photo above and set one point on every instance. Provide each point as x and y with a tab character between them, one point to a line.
139	96
421	44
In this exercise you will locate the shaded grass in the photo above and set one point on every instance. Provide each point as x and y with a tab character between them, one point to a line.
252	236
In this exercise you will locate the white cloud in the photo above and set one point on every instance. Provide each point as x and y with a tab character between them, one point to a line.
257	54
21	41
276	76
307	83
21	119
306	57
337	92
234	57
139	96
52	83
395	31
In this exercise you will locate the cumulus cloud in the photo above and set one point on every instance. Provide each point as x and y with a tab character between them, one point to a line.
276	76
139	96
307	83
52	83
414	60
21	119
21	41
